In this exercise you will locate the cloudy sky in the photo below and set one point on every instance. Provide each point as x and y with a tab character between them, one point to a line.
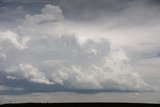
79	46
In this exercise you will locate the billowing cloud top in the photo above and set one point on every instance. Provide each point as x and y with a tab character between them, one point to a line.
42	53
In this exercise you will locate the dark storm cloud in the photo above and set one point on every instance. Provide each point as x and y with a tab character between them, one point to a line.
90	9
81	9
153	2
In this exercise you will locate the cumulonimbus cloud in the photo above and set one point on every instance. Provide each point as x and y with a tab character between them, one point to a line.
41	52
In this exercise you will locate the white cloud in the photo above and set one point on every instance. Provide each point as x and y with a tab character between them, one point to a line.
11	39
45	55
49	14
11	77
2	57
49	21
4	88
26	71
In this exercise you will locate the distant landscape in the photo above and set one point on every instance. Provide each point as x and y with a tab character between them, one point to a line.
80	105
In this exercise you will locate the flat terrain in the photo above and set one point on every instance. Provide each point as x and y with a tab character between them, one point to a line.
79	104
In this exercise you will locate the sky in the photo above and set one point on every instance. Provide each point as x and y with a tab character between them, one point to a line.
79	46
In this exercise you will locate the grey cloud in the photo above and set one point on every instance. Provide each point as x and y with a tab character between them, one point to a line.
133	25
48	56
82	9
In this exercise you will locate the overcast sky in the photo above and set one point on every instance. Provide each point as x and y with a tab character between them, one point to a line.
79	45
